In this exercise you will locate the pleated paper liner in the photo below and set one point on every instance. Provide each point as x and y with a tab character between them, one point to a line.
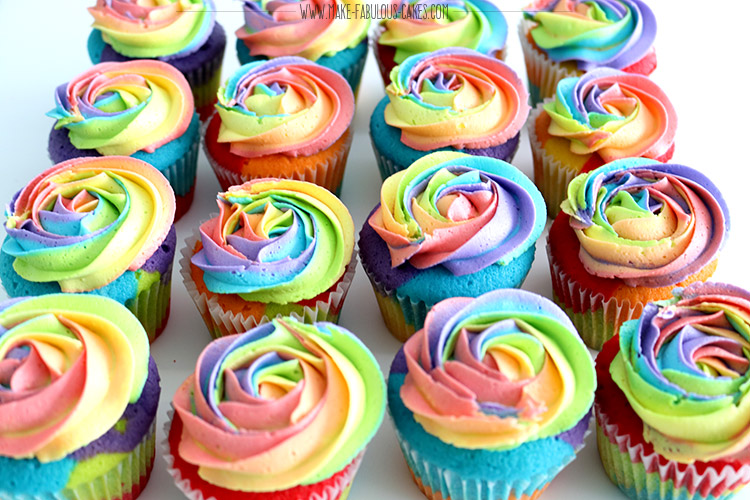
124	481
550	175
337	487
222	322
651	476
327	173
151	306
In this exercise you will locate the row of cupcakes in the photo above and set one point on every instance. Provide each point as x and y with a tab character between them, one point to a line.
491	399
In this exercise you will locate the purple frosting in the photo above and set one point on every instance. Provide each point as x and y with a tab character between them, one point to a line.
376	259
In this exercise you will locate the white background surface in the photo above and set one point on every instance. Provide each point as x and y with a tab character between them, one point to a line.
702	56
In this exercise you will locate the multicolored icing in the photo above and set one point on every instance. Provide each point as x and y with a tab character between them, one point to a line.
84	222
460	211
594	33
614	114
275	240
473	24
646	223
276	28
69	366
492	398
285	105
165	29
123	108
683	367
455	97
281	405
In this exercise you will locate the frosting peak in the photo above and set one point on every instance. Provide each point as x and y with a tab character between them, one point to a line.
455	97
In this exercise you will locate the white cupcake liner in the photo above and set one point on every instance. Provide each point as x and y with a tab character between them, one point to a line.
129	476
650	476
599	318
550	176
329	174
337	491
543	73
221	323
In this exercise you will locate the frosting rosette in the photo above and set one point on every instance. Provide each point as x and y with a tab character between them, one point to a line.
281	405
291	27
594	33
69	366
614	114
275	240
427	25
285	105
121	108
455	97
460	211
646	223
84	222
683	367
497	371
163	29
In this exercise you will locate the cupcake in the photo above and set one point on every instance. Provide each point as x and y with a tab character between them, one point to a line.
630	231
286	118
417	26
101	226
277	248
603	116
283	411
183	33
332	34
671	406
566	38
78	399
492	399
451	225
142	109
449	100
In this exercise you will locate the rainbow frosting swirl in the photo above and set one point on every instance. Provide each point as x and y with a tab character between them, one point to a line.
683	367
69	366
122	108
614	114
646	223
281	405
497	371
460	211
455	97
84	222
594	33
164	29
473	24
277	28
275	240
286	105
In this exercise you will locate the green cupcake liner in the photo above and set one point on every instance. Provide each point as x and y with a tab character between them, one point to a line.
151	306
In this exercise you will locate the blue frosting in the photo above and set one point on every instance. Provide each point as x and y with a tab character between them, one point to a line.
528	467
31	477
342	62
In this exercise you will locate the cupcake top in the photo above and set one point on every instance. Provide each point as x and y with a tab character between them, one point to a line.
286	105
426	25
614	114
84	222
593	33
496	372
278	28
275	240
281	405
460	211
683	366
455	97
121	108
69	367
166	29
646	223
